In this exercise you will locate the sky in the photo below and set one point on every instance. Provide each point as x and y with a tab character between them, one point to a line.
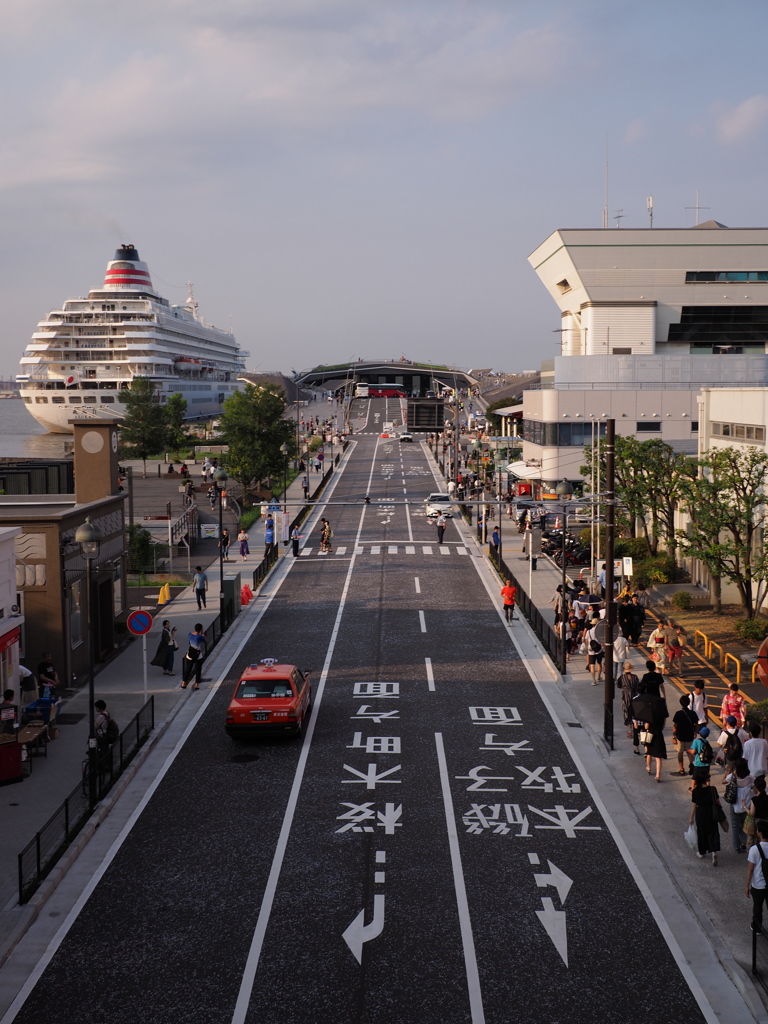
362	178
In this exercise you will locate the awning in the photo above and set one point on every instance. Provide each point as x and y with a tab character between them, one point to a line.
523	471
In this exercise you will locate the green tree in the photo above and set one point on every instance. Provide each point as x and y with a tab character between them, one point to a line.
176	411
649	476
144	430
728	519
252	425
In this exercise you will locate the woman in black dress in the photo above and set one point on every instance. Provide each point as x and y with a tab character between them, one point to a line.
705	803
628	681
652	711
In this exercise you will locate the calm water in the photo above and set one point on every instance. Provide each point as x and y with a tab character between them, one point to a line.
22	437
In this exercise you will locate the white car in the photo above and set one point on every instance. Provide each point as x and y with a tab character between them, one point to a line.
439	504
406	438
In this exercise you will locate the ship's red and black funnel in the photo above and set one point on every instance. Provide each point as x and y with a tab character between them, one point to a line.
127	271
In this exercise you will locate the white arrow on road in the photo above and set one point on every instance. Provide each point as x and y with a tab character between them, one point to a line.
558	878
555	926
358	933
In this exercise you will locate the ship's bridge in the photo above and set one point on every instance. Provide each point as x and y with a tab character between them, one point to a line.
413	377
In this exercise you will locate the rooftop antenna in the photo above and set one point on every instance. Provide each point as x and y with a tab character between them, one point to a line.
649	204
619	215
605	205
697	207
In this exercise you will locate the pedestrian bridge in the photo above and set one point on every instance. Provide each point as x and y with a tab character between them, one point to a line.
415	378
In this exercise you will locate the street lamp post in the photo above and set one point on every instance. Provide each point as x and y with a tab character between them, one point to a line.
285	449
220	480
563	489
89	537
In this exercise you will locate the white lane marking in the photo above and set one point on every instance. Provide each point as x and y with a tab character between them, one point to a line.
444	549
461	551
410	549
341	551
405	491
254	953
430	674
306	551
422	623
392	549
375	550
358	933
418	584
465	923
427	550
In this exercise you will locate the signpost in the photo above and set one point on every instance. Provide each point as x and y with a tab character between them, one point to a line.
139	623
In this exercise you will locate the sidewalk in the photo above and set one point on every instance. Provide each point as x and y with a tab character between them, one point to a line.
715	895
28	805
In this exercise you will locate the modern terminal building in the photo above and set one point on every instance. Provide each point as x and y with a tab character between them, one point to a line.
649	319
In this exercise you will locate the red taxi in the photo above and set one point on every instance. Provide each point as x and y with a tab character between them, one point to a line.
269	698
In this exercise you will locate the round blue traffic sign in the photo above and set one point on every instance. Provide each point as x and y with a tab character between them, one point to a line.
139	623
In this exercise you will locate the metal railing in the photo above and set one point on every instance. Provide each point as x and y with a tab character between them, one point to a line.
546	634
39	857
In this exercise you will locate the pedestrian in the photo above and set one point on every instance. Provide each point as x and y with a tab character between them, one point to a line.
595	655
628	683
683	733
166	649
636	617
699	702
28	685
652	711
733	704
47	676
269	535
305	486
731	742
200	583
702	753
676	647
620	650
212	497
757	876
441	524
757	809
495	541
657	645
224	543
318	465
105	728
509	596
653	680
755	751
193	659
242	538
326	533
705	812
295	541
738	791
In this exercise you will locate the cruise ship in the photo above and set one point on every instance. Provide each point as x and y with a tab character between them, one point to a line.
82	356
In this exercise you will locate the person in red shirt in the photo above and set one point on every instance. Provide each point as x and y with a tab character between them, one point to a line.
508	594
734	704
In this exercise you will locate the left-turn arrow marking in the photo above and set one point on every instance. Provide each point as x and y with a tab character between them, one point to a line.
359	933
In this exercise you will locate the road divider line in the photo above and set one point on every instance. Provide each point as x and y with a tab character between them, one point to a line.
465	922
430	674
417	584
254	953
422	623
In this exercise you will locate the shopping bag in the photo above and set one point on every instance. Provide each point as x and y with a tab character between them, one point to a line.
690	837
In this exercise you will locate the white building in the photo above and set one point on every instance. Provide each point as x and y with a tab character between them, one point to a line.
649	318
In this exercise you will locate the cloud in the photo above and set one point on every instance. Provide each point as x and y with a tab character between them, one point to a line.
746	119
210	80
635	131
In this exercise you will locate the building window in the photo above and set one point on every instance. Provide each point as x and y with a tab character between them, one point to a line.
564	286
41	401
725	276
76	613
622	351
747	433
58	400
648	427
694	426
75	399
90	399
107	399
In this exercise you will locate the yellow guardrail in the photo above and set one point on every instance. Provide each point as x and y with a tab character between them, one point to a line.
704	637
708	653
724	665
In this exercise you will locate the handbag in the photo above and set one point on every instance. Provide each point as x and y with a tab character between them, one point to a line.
645	736
719	814
731	793
690	837
749	826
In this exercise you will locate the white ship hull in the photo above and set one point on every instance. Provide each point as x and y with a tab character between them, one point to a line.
84	355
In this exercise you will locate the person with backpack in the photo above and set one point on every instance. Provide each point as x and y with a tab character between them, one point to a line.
595	656
757	875
731	742
193	659
683	732
106	728
703	754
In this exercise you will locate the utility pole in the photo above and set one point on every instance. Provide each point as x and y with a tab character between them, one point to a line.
610	603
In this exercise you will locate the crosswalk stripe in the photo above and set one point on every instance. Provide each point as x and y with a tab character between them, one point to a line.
444	550
461	551
410	549
376	550
427	550
341	551
359	551
306	551
392	549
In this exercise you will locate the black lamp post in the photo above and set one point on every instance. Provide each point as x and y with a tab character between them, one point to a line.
563	489
89	537
220	478
285	449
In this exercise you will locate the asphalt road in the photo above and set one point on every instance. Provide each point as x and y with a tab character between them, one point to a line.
426	853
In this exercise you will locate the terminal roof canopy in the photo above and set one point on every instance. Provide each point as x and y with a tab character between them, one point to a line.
406	373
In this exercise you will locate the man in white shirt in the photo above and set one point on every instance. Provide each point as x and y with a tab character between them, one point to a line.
699	701
756	875
756	752
620	650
